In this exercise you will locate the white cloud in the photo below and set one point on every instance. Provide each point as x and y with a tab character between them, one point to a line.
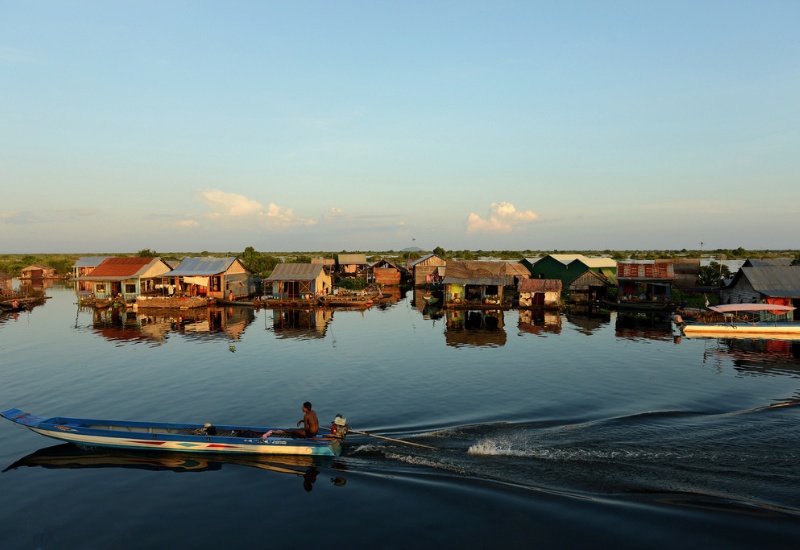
187	223
230	204
232	207
503	217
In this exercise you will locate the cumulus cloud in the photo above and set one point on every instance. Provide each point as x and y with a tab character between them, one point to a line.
503	217
231	206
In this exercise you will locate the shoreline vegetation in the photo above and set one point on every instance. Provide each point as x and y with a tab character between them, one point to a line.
261	264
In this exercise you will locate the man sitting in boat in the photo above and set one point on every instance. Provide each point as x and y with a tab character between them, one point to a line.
310	423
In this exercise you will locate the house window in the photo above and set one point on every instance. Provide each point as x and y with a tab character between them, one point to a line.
130	288
101	288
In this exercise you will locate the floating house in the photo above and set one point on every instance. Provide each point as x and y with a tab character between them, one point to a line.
568	267
293	282
83	267
588	287
6	282
478	284
771	284
539	293
352	265
428	270
222	278
37	271
645	281
128	277
386	272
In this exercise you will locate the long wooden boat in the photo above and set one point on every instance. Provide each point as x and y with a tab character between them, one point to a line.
744	321
194	438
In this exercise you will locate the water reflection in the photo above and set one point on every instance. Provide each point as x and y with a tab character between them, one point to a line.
539	321
476	328
756	356
155	326
587	319
641	325
69	456
301	323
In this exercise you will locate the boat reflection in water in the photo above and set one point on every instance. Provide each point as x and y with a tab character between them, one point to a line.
476	328
70	456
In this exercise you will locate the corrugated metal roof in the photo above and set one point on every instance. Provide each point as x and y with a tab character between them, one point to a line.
89	261
349	259
778	281
594	263
645	271
295	272
203	265
112	268
484	273
540	285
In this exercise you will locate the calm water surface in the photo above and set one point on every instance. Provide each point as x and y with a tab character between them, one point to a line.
558	431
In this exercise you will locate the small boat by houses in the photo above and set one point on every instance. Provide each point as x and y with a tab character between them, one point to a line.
744	321
194	438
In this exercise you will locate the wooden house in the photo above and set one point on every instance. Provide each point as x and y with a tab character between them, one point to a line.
539	293
588	287
352	265
427	270
329	264
223	278
481	284
299	282
771	284
128	277
687	271
386	272
6	282
37	271
645	281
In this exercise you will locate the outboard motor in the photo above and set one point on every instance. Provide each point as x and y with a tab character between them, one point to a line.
339	427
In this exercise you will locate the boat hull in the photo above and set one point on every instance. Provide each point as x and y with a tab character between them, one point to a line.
789	331
172	437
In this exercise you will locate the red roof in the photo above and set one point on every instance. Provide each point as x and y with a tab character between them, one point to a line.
120	267
644	271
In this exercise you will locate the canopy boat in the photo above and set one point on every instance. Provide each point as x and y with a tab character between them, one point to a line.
194	438
745	321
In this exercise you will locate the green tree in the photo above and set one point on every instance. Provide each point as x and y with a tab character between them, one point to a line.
713	274
146	253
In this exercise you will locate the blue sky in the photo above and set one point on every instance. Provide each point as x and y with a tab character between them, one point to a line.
191	126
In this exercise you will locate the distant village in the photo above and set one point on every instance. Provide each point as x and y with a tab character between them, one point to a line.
350	280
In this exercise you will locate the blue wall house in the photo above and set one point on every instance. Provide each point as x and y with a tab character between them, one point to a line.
128	277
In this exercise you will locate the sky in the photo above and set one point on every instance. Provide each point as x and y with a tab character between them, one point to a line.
376	125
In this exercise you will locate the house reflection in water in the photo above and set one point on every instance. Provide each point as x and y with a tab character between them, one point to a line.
756	356
154	326
481	328
588	320
301	323
539	321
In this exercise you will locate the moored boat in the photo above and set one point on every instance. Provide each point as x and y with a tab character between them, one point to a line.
745	321
195	438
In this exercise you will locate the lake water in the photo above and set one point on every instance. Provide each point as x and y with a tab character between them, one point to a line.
571	430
